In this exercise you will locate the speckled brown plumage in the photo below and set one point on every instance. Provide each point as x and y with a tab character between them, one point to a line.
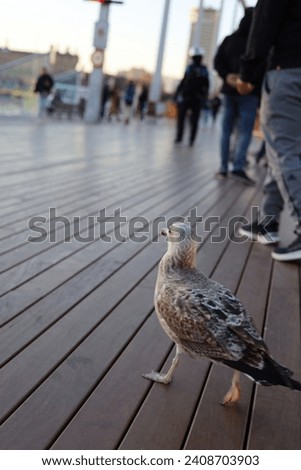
205	319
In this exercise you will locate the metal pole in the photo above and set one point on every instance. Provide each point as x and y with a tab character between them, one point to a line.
196	40
221	9
155	88
235	15
97	76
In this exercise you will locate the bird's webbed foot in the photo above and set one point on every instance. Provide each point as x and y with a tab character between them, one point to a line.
234	391
165	378
156	377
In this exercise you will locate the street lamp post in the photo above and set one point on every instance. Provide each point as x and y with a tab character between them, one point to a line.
97	76
243	2
155	88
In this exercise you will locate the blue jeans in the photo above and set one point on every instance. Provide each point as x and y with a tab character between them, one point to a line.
239	111
42	104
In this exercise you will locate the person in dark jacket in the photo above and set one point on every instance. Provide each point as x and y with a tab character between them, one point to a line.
239	111
276	33
142	101
191	94
128	100
43	86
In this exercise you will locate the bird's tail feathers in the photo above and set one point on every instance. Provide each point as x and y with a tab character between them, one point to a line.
271	373
295	385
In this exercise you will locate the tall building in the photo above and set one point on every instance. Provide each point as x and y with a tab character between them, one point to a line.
209	32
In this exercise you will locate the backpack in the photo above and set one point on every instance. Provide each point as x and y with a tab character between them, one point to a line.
195	83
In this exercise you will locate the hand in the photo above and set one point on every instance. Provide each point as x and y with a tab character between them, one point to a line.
231	79
244	88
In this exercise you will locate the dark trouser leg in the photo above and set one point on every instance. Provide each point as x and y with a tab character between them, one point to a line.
182	110
194	120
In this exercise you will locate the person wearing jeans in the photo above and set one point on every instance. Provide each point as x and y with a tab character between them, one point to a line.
276	32
43	86
239	111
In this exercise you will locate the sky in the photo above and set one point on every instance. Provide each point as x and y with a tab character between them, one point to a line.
134	30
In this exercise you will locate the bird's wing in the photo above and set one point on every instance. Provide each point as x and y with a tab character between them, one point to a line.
208	320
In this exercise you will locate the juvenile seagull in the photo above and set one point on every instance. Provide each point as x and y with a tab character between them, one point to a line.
205	319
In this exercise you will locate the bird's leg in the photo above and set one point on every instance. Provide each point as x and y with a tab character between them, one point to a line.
233	393
165	378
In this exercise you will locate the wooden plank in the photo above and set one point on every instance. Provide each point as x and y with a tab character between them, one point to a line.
121	390
276	417
86	363
54	182
61	328
10	302
76	376
33	322
29	250
61	336
151	429
102	181
84	255
105	199
89	205
58	192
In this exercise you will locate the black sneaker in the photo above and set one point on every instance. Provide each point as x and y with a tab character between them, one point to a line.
221	175
290	253
241	176
266	234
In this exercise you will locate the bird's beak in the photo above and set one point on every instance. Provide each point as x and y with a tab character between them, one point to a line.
164	232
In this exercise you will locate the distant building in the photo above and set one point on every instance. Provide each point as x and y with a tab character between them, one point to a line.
209	32
25	66
60	63
6	55
135	74
57	62
19	71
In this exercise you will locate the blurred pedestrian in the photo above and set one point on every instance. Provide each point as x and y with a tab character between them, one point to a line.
43	86
276	33
239	111
114	109
191	94
215	104
142	101
128	101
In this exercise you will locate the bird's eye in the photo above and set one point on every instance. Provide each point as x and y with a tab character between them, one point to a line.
169	231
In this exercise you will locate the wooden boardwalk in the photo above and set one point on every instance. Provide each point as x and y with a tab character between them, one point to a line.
77	321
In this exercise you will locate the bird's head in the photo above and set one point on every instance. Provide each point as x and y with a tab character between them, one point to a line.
181	246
